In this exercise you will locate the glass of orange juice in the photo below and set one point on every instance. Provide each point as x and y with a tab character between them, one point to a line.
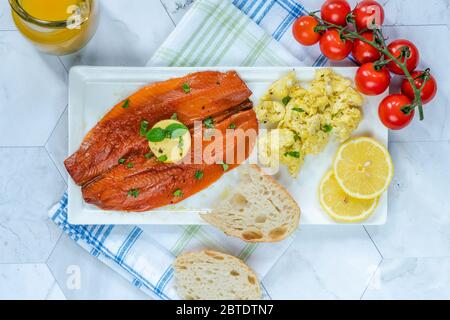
56	27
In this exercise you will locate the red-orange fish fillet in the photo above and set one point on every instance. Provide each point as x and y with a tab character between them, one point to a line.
107	184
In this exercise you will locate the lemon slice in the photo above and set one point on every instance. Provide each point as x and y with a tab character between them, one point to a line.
363	168
340	206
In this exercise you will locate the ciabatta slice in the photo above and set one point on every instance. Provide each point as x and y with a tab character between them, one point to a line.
259	209
211	275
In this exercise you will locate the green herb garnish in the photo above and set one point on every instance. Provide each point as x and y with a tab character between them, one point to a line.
133	192
148	155
178	193
174	116
162	158
327	128
156	135
130	165
294	154
186	88
126	104
225	166
286	100
232	126
209	122
143	129
298	109
122	160
198	174
175	130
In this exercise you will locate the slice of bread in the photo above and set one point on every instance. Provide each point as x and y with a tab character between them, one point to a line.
258	210
211	275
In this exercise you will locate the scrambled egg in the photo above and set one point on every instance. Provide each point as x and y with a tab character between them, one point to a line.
306	118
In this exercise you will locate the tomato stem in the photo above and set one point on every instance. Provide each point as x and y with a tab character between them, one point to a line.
380	45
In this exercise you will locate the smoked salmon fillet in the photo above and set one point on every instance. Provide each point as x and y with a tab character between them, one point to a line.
149	183
116	135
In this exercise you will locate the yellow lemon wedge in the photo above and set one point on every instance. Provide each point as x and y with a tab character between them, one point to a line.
363	168
340	206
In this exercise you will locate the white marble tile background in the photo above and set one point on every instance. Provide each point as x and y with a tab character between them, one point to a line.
408	258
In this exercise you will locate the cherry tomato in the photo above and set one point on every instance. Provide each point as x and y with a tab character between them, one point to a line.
303	30
335	11
363	52
428	92
395	48
333	46
391	114
366	13
370	81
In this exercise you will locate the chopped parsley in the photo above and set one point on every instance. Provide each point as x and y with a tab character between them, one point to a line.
122	160
198	174
133	193
286	100
143	129
298	109
209	123
232	126
178	193
156	135
294	154
148	155
186	88
327	128
225	166
162	158
175	130
174	116
130	165
126	104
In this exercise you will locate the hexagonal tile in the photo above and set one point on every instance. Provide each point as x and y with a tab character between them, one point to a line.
411	278
57	144
97	280
33	92
418	223
128	34
28	281
6	21
29	185
324	263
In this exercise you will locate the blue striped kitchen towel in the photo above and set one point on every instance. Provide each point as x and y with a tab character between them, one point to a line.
213	32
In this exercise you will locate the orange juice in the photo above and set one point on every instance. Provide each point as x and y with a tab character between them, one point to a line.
56	26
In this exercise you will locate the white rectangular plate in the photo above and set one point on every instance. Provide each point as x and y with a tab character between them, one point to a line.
94	90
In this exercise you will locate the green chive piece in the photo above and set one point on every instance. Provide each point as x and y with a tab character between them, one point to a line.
232	126
198	174
327	128
186	88
174	116
156	135
286	100
162	158
294	154
225	166
122	160
178	193
143	129
298	109
148	155
126	104
133	192
209	122
130	165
